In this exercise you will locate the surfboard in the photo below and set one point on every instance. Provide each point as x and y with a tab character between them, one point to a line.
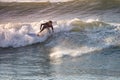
36	34
40	34
32	34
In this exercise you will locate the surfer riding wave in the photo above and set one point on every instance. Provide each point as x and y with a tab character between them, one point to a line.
46	25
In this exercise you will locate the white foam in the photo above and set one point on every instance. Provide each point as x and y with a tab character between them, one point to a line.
91	20
59	52
16	34
97	39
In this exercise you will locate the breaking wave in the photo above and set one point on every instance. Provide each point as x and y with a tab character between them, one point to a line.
17	34
71	37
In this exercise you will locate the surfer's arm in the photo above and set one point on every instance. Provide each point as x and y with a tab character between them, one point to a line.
41	26
52	28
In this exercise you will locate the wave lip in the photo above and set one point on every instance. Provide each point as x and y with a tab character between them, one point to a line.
17	34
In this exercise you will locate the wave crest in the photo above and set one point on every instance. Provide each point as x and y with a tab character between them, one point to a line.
17	34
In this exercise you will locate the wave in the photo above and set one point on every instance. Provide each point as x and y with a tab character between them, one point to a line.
83	9
83	37
17	34
73	37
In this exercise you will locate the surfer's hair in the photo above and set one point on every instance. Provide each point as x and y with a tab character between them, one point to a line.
50	21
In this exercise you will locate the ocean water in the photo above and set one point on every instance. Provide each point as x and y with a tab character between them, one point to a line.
85	44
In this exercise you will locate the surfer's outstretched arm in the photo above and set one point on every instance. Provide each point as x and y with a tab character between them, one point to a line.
52	28
41	26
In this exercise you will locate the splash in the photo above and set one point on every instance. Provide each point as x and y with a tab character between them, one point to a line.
17	34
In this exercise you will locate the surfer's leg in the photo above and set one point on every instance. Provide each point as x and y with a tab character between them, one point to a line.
49	30
42	29
52	29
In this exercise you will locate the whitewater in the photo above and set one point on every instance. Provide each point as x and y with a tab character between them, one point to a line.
84	45
99	34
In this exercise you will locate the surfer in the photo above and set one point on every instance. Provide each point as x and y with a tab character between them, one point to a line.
46	25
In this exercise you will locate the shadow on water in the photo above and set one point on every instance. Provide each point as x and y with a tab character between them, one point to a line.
103	62
30	62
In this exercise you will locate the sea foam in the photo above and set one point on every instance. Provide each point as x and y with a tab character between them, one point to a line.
17	34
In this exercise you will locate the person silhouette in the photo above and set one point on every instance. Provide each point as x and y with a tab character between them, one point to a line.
46	25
